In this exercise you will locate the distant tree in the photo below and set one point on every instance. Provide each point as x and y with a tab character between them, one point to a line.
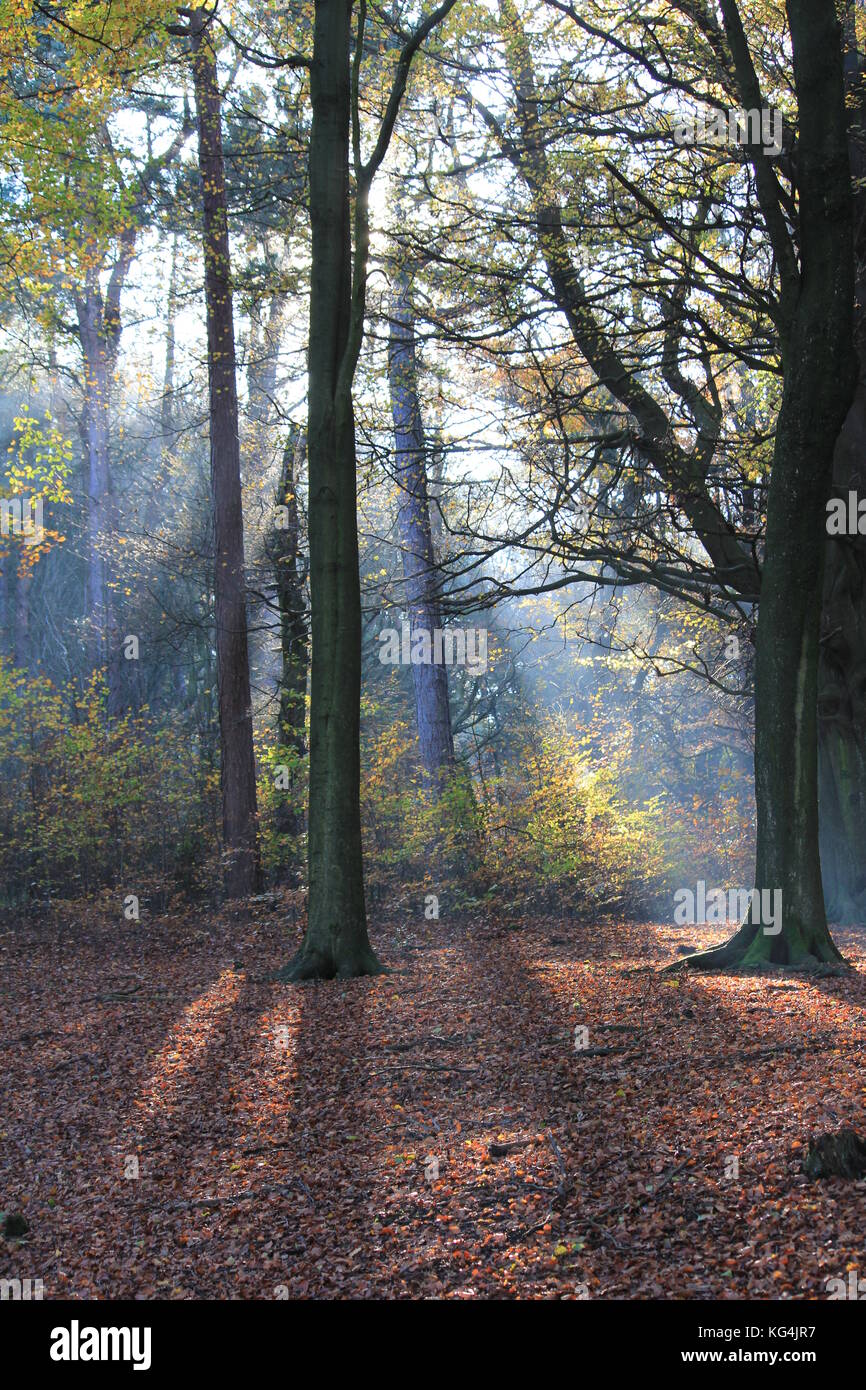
430	678
237	762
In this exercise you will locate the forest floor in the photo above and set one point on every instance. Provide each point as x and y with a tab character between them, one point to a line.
286	1138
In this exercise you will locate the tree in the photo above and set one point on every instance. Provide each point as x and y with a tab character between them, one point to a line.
432	709
820	376
78	209
336	940
237	761
814	258
842	665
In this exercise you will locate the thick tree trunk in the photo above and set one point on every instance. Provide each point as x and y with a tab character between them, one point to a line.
237	768
842	690
820	376
432	709
842	666
284	552
336	941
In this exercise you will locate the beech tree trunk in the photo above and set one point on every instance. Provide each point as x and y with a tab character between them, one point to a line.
284	552
336	941
432	709
237	766
842	666
842	689
820	377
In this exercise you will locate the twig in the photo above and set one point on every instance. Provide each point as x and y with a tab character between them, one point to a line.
112	995
605	1052
241	1196
430	1066
25	1038
758	1054
565	1186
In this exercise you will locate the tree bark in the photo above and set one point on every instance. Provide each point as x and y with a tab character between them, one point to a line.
842	686
842	731
336	941
284	552
237	766
842	666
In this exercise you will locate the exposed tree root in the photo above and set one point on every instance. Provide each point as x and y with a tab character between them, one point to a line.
751	950
312	963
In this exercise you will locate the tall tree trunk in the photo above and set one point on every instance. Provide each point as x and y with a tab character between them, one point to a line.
842	728
99	327
842	666
432	709
99	360
284	552
237	768
264	355
820	376
167	403
842	682
99	337
336	941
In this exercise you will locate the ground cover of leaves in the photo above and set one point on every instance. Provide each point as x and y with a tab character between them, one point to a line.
287	1139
